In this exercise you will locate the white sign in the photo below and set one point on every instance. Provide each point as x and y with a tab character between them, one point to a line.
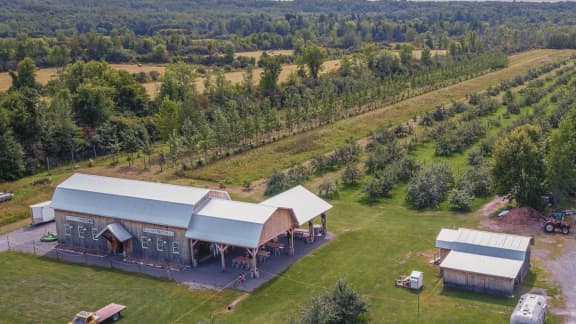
157	231
80	219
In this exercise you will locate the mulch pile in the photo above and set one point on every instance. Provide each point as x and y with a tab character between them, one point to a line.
521	216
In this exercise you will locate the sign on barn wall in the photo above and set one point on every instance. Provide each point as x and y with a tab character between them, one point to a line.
80	219
157	231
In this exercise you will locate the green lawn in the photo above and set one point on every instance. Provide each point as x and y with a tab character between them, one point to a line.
40	290
374	245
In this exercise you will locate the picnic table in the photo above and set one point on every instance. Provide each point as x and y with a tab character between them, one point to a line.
302	234
275	247
263	255
241	262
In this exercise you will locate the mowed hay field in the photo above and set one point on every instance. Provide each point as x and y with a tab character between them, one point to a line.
260	162
257	54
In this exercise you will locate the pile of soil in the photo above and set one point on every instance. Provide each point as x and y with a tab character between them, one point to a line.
521	216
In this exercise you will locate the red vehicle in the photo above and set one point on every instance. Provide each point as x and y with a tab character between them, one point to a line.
558	220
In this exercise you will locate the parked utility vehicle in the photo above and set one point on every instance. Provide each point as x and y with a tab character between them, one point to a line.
558	220
110	311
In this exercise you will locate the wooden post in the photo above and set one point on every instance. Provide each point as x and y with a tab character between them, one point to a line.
253	253
311	231
291	241
192	254
222	248
324	227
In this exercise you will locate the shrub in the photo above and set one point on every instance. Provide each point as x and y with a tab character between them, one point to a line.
328	189
341	305
380	185
430	186
351	175
460	199
476	181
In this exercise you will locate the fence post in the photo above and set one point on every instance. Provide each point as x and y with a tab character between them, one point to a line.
8	240
34	245
57	255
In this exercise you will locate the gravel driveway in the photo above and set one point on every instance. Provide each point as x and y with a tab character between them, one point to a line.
28	239
563	269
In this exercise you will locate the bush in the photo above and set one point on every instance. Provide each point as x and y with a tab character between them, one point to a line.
460	199
328	189
351	175
476	181
430	186
380	185
341	305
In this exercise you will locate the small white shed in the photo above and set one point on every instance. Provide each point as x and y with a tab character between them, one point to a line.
531	309
42	212
416	280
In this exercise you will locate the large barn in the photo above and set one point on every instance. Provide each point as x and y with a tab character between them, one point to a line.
172	224
493	263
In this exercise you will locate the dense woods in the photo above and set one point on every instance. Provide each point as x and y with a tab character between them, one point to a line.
90	109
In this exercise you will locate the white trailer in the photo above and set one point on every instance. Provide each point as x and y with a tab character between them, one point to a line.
42	212
531	309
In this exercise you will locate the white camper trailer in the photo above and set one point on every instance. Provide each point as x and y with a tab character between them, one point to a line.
531	309
42	212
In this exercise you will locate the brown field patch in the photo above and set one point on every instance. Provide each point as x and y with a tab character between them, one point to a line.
256	54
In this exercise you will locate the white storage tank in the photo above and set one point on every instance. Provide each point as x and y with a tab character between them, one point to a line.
531	309
416	280
42	212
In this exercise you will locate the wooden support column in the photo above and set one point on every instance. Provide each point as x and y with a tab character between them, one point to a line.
222	248
254	268
192	253
311	231
324	227
291	241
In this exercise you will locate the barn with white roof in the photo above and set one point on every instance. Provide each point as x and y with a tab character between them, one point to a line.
494	263
172	224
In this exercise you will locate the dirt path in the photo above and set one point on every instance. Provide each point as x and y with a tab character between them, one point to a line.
563	270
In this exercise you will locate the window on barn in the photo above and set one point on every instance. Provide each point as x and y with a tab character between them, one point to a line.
67	229
81	230
94	233
175	248
160	244
145	242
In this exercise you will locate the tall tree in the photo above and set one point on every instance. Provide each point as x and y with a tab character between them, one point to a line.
561	158
167	118
11	153
92	105
25	75
313	57
518	169
272	68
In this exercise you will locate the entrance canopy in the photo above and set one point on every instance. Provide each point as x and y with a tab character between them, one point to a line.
117	230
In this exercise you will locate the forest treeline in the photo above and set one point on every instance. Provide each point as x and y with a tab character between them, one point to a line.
92	109
54	33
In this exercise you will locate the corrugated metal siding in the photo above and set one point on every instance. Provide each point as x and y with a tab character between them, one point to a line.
482	250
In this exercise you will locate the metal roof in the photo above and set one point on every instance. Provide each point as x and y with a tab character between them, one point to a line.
42	204
140	201
482	264
236	210
305	204
118	230
135	188
229	222
484	243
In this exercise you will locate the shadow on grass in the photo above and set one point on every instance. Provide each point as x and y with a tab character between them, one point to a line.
477	297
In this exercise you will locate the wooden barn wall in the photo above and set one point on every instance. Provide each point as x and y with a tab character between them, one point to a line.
477	282
161	247
280	222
